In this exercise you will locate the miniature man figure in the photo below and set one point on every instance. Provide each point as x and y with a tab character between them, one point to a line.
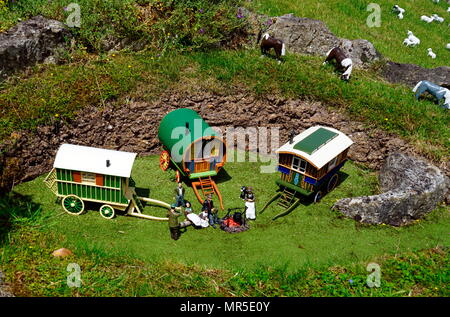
250	212
179	195
174	225
208	206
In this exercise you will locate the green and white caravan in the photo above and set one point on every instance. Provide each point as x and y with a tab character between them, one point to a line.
308	164
83	173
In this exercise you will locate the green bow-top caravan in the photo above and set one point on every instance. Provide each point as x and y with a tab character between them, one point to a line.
83	173
196	151
308	164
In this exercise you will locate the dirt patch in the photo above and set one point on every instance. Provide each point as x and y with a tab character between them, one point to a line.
133	126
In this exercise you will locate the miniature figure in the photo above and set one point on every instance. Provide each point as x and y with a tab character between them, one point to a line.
208	207
309	164
427	18
174	225
399	11
250	212
243	192
344	63
431	53
179	195
411	40
437	91
268	42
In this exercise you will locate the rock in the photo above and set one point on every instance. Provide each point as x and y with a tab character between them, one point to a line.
411	189
63	252
410	74
32	41
308	36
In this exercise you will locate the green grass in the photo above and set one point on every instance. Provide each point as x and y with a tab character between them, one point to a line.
347	19
311	252
298	240
66	89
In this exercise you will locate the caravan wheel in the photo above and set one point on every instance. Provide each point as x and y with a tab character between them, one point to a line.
164	160
108	212
73	205
318	196
332	182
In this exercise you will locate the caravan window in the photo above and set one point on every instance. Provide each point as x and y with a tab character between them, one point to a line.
298	164
88	178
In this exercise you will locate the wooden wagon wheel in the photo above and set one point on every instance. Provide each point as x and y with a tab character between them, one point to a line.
73	205
332	182
164	160
318	196
108	212
177	176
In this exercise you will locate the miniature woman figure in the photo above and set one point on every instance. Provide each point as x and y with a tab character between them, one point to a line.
250	212
174	225
187	211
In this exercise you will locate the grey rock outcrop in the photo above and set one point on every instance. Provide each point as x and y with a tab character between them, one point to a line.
411	189
410	74
308	36
31	41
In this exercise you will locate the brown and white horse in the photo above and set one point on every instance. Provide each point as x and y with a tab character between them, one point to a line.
344	63
268	42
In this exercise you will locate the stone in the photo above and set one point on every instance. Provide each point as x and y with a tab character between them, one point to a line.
411	188
410	74
312	37
31	41
63	252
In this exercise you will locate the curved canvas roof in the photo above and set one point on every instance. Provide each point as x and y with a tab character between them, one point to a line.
93	160
318	145
175	136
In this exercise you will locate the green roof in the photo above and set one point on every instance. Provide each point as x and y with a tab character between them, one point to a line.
172	131
315	140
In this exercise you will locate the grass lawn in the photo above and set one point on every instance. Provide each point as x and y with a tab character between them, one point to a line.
28	101
311	236
347	19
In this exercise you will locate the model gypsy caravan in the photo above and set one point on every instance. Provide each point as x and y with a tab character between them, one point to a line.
196	151
308	164
83	173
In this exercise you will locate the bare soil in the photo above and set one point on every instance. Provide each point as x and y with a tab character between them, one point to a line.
133	126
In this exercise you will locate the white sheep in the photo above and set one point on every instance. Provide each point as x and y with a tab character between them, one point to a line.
411	40
448	46
438	18
427	19
431	53
399	11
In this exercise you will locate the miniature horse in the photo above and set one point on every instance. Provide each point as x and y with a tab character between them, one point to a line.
269	42
437	91
344	63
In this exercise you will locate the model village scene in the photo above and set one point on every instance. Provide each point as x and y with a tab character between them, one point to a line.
160	179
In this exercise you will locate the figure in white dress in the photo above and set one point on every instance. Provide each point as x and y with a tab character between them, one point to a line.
250	211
